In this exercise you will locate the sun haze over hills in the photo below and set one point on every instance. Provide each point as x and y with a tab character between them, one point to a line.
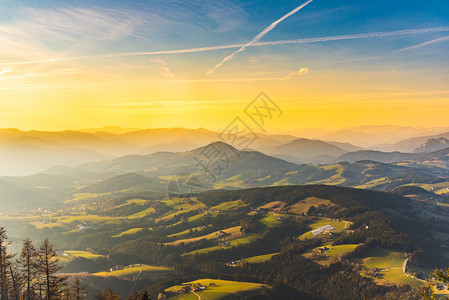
224	149
157	64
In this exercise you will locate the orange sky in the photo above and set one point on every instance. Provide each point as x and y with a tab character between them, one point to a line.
56	76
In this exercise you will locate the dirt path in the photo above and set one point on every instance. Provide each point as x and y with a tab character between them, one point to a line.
404	269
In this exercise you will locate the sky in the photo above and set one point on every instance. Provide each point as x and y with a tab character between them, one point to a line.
200	63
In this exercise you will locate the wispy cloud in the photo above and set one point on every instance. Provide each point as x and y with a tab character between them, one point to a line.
300	72
4	71
223	15
34	34
233	46
48	36
445	38
164	70
258	37
76	23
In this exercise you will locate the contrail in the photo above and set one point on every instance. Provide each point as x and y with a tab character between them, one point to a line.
357	36
257	44
259	36
424	44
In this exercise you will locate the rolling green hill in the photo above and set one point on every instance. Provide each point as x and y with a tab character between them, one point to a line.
117	183
250	235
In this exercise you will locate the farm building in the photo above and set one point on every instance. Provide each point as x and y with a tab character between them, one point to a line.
322	229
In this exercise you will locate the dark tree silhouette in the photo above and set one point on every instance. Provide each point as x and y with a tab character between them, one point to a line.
108	295
48	267
27	265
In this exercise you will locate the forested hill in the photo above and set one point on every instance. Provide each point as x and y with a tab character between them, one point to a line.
270	236
349	199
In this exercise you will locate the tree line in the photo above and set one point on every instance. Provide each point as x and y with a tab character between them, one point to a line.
32	274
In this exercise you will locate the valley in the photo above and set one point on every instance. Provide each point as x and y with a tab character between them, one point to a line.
164	224
139	239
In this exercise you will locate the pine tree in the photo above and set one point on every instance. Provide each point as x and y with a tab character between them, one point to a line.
48	267
145	295
108	295
14	287
28	267
66	294
133	296
79	292
427	292
5	263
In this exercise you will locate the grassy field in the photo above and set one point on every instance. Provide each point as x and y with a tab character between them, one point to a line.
40	224
87	218
373	183
181	233
414	268
83	196
229	205
395	276
438	188
304	205
335	179
221	289
234	242
83	254
232	231
331	255
392	262
129	231
341	249
339	226
273	205
259	258
132	201
236	181
271	221
132	271
200	216
142	213
383	258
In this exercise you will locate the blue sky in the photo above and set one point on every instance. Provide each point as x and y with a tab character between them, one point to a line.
53	47
161	25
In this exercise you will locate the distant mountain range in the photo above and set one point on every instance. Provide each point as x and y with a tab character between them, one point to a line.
375	156
411	144
230	169
30	152
307	151
432	145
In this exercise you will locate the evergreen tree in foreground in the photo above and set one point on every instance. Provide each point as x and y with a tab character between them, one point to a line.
48	267
27	265
33	275
427	292
5	266
108	295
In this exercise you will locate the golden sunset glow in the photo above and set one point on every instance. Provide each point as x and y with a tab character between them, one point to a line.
135	74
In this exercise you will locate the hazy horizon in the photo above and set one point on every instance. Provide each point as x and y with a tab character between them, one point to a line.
168	64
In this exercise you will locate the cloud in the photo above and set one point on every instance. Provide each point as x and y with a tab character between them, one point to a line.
223	15
258	37
303	71
424	44
4	71
233	46
46	37
158	61
79	23
163	69
300	72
